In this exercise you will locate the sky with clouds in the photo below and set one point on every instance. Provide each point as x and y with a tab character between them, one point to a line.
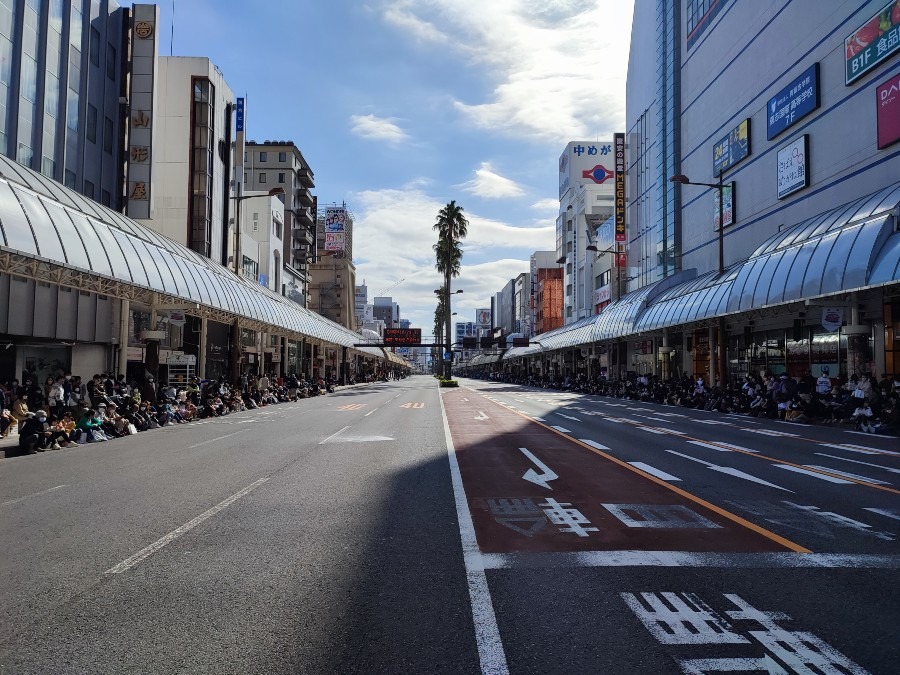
400	106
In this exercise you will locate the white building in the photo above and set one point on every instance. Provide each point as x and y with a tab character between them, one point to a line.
262	234
586	185
189	155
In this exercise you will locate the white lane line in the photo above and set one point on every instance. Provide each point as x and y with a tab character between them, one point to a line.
852	448
668	414
213	440
721	447
728	471
814	474
653	471
890	513
654	430
539	419
847	474
768	432
716	422
339	431
33	494
856	461
505	561
562	429
144	553
370	412
593	444
487	634
569	417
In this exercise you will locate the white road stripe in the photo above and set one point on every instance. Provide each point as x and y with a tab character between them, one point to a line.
856	461
593	444
33	494
144	553
890	513
653	471
721	446
727	470
814	474
768	432
500	561
653	430
213	440
487	634
569	417
370	412
539	419
339	431
562	429
852	448
847	474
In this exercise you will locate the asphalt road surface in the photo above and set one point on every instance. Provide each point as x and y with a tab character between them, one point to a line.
400	528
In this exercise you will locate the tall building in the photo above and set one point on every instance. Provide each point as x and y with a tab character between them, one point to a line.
360	300
181	158
281	164
332	290
586	172
61	82
801	129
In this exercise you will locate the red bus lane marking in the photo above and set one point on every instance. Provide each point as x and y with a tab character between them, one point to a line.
590	505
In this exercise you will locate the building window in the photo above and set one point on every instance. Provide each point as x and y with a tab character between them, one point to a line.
282	156
264	157
105	198
262	178
281	178
107	135
202	162
88	189
48	167
110	61
24	155
95	47
91	123
69	179
700	14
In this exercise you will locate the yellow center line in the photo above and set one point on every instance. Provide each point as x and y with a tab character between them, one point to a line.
787	543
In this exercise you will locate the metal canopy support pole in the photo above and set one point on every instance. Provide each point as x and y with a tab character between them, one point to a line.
124	311
201	347
712	358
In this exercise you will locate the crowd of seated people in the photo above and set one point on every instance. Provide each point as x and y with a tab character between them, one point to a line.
67	411
869	404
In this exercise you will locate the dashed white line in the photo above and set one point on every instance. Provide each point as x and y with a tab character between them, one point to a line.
33	494
569	417
847	474
768	432
339	431
856	461
653	430
562	429
213	440
653	471
147	551
814	474
889	513
370	412
721	447
593	444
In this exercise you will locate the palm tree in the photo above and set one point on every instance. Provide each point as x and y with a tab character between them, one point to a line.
451	226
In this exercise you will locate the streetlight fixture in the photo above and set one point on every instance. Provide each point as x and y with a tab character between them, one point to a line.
274	192
684	180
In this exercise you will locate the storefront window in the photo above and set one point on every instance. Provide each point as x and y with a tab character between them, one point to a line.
825	353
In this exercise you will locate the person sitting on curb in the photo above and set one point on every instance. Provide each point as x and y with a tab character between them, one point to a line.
60	434
35	435
6	421
20	412
89	425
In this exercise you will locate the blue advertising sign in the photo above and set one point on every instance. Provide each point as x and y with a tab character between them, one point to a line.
732	148
794	102
239	115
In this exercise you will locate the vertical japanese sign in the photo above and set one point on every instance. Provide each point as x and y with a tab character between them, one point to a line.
727	205
888	112
793	173
239	115
732	148
872	43
335	220
619	145
140	120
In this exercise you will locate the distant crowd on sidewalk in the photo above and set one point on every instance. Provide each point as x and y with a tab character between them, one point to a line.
865	402
66	410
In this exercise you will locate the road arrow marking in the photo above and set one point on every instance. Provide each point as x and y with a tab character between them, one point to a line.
737	473
481	416
533	476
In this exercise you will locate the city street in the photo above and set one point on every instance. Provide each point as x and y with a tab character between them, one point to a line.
399	527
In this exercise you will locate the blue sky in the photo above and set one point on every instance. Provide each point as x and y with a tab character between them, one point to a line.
400	106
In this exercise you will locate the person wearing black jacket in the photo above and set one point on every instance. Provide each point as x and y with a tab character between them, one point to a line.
35	435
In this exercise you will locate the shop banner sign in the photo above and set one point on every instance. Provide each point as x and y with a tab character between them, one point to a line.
832	318
872	43
732	148
727	205
888	112
794	102
793	163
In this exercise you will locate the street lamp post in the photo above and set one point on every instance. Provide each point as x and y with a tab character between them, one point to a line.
722	343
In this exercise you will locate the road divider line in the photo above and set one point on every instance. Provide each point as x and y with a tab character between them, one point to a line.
653	471
593	444
491	653
33	494
815	473
147	551
339	431
370	412
856	461
213	440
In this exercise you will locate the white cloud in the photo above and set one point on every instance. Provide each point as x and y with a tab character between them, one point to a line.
377	128
393	238
548	204
558	67
492	185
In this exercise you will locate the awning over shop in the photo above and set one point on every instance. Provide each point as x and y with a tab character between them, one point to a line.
43	220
